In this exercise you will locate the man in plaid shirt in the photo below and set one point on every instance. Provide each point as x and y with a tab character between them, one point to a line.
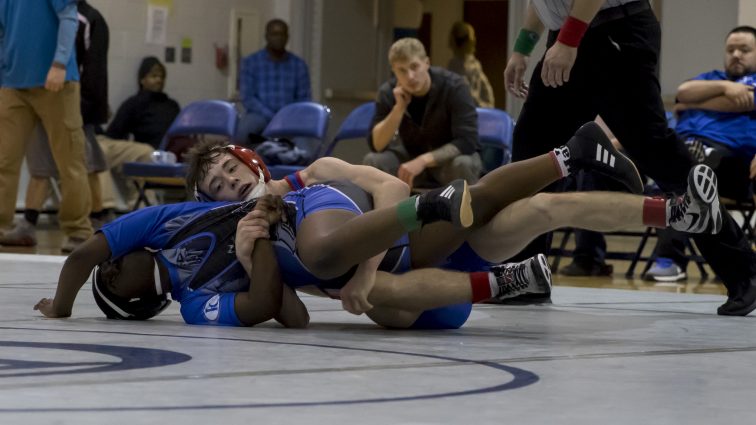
270	79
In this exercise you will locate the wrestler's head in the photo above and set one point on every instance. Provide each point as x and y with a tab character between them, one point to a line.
129	287
222	172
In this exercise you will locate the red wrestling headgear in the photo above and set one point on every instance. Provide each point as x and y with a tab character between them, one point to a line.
247	157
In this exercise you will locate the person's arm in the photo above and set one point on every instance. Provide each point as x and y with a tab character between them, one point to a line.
293	313
68	22
699	91
720	103
514	73
96	65
752	174
560	57
388	116
75	272
303	93
122	124
248	90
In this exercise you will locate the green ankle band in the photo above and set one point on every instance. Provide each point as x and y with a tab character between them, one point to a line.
407	214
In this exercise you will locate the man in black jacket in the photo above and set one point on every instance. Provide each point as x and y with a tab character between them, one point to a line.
425	125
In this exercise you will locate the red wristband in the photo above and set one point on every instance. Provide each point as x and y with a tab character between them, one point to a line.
572	31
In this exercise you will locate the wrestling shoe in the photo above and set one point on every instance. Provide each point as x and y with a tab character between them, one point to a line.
742	303
589	149
448	203
532	276
698	210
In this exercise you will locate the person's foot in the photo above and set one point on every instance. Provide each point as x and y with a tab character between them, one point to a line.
698	210
665	270
532	276
577	268
23	234
590	149
742	303
72	242
451	203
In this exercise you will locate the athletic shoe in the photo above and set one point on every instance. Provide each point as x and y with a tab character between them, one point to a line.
740	304
590	149
532	276
23	234
579	268
665	270
698	210
448	203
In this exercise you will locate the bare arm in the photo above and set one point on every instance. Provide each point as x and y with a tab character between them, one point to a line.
293	313
695	91
720	103
74	274
385	129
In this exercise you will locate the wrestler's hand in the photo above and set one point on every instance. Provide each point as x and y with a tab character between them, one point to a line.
411	169
354	295
557	64
402	98
514	75
250	228
45	306
272	206
56	77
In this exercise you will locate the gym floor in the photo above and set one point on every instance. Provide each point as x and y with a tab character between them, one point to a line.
608	350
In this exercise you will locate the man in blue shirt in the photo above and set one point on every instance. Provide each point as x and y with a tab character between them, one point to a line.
718	123
271	79
39	79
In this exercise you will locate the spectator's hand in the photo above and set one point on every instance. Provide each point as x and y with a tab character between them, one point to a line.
741	94
557	64
56	77
355	293
411	169
753	168
45	306
250	228
401	97
514	75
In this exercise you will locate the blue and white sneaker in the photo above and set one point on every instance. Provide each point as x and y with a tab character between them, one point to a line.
665	270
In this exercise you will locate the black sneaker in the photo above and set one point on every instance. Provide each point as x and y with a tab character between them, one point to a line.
532	276
590	149
741	304
579	268
448	203
698	210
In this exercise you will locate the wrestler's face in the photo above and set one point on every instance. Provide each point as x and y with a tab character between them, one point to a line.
412	75
740	54
228	179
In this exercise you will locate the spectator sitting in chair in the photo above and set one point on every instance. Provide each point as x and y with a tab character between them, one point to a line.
270	79
425	129
717	120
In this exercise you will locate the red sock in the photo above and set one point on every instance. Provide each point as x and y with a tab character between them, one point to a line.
655	212
481	289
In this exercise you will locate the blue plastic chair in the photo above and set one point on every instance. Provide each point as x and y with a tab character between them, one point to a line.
495	128
213	117
356	125
301	119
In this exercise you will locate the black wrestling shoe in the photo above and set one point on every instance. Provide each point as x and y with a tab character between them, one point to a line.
448	203
741	304
698	210
589	149
532	276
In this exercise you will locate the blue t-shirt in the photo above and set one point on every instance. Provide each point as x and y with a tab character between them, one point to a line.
736	130
209	301
34	34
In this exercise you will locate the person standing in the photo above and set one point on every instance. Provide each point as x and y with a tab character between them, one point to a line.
601	59
40	83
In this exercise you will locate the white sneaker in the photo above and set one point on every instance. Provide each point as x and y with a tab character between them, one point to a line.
698	210
532	276
665	270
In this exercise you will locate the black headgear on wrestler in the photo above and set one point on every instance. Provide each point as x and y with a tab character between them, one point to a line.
247	157
116	307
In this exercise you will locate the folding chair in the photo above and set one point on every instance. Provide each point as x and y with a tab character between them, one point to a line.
301	119
495	128
206	117
355	126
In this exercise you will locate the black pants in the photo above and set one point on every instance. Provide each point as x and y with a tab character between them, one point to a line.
616	76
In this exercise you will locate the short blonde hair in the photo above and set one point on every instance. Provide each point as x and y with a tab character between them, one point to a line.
406	49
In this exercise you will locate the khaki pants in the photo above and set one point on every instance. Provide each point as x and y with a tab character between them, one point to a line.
118	152
60	115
